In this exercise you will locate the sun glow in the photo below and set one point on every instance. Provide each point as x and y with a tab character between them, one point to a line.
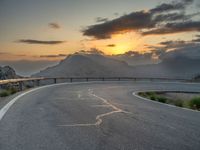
128	42
121	48
118	44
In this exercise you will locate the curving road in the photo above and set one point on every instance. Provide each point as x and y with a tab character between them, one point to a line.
99	116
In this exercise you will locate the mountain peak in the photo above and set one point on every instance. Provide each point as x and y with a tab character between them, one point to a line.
90	65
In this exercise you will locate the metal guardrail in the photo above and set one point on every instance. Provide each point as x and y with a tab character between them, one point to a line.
18	80
37	81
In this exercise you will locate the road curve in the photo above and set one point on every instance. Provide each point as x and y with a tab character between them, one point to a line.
99	116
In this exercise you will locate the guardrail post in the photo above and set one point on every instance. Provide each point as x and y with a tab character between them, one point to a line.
71	79
20	86
87	79
55	81
38	82
103	79
119	79
1	86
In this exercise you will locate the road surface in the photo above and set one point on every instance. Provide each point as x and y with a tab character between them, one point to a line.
99	116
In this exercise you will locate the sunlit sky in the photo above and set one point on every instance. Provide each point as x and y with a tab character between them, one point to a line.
63	20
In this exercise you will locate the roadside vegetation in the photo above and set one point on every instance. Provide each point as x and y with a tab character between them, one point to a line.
193	103
7	92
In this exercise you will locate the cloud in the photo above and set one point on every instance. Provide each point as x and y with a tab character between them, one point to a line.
4	53
163	19
135	58
91	51
179	44
171	43
171	6
53	56
190	51
133	21
54	25
111	45
171	17
178	48
170	28
10	54
99	19
30	41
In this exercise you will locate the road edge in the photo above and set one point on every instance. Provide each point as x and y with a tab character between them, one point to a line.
7	106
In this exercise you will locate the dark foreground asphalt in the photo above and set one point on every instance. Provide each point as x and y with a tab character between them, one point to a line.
99	116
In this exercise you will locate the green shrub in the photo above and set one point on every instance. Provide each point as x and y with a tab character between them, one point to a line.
152	97
4	94
142	94
12	90
178	103
195	103
161	99
8	92
150	93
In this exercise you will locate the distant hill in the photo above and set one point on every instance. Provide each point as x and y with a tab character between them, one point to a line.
94	65
176	67
87	65
7	73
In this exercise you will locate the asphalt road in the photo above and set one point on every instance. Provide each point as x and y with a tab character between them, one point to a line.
99	116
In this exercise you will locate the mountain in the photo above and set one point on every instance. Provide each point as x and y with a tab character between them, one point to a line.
94	65
173	67
87	65
7	73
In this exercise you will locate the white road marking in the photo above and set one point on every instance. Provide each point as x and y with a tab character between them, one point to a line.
9	104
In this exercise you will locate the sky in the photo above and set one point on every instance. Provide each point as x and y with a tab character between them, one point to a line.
49	30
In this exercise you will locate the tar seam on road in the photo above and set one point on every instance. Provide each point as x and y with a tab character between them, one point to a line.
9	104
98	117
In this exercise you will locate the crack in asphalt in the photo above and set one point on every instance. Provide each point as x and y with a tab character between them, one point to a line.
99	118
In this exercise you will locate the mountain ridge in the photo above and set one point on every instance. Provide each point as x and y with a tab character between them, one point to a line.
95	65
79	65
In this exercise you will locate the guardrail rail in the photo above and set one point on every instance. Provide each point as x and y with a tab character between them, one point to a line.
36	81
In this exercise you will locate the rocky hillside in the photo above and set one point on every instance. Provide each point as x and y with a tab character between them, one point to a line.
89	65
178	67
7	73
